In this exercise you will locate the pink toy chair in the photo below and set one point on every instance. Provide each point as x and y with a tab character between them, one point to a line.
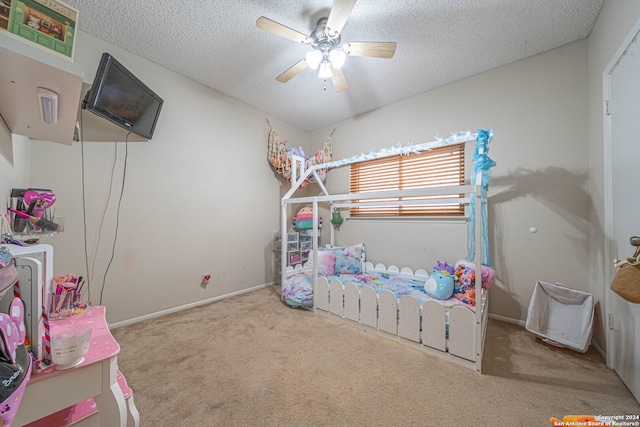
9	406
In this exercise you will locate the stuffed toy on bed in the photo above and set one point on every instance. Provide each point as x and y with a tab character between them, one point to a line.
465	288
304	219
440	284
445	266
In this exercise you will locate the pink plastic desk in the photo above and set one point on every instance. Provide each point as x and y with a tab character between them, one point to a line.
96	377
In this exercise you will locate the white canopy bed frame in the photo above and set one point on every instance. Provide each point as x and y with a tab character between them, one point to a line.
458	334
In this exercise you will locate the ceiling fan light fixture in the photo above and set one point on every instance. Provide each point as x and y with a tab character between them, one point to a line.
325	70
337	58
313	59
327	52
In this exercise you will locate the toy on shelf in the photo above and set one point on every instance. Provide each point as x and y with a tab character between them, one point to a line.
40	222
66	298
304	219
38	202
31	213
283	161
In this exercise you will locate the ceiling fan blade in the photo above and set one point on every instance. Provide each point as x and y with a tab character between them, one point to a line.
276	28
338	80
338	16
291	72
373	49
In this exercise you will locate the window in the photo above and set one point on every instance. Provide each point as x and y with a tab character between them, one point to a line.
443	166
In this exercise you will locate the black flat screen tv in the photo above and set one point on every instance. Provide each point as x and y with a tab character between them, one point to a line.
121	98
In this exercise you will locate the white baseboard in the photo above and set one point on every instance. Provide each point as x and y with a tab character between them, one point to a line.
185	307
599	349
507	319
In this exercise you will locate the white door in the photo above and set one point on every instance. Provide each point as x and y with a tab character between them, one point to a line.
624	125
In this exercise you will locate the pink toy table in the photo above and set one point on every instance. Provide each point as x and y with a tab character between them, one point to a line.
95	378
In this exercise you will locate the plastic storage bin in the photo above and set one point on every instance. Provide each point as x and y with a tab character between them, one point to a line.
561	316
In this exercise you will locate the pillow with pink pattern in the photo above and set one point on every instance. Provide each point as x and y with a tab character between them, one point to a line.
326	262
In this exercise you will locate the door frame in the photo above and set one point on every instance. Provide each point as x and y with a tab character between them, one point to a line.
608	198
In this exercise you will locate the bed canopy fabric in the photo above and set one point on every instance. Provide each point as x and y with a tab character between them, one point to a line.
482	166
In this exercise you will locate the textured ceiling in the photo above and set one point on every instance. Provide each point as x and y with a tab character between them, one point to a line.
217	44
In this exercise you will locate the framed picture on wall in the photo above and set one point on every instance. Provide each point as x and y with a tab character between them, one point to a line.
5	13
48	23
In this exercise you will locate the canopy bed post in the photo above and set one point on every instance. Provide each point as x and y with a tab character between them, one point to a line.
477	260
333	228
314	243
478	277
283	245
297	168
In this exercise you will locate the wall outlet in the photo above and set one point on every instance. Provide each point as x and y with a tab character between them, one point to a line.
206	278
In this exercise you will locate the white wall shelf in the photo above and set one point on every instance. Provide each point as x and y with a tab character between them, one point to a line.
25	66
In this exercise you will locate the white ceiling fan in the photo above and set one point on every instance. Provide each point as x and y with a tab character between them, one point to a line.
328	53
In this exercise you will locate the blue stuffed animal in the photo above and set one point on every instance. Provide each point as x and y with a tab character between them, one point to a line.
439	285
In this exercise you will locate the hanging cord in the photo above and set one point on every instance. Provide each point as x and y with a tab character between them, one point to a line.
115	237
84	213
103	212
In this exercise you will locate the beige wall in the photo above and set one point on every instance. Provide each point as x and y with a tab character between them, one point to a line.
14	163
188	210
538	109
199	198
615	22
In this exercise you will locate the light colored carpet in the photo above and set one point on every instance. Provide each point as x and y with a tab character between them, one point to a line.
250	360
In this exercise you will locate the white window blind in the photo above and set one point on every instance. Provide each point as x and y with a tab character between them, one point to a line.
443	166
